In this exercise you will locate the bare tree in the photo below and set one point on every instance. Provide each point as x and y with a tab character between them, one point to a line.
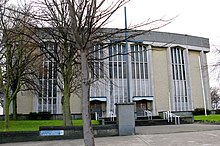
18	52
215	97
77	26
87	20
55	15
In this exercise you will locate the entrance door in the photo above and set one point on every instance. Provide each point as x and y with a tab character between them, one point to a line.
143	105
96	106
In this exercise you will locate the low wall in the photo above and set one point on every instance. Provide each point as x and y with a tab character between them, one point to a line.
72	132
186	117
53	116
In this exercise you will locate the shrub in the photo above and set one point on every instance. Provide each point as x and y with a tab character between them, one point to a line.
200	111
217	111
44	115
33	116
40	116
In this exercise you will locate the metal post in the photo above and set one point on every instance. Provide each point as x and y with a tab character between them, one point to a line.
203	92
128	61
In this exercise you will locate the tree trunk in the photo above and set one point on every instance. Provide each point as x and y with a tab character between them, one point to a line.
87	128
66	73
6	113
66	104
15	114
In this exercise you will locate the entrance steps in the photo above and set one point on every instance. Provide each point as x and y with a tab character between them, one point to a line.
141	121
156	120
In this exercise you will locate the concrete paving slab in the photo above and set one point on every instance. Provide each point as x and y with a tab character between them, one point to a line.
163	129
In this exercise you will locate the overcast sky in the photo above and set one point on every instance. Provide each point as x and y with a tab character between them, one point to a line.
195	17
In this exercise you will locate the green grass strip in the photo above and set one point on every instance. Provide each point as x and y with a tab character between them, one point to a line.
209	118
33	125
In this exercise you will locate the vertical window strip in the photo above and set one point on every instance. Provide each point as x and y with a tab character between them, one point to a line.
140	81
117	68
135	69
179	79
182	81
139	68
117	61
48	85
174	77
144	62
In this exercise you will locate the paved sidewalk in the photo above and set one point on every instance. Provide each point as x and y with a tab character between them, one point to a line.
169	135
146	130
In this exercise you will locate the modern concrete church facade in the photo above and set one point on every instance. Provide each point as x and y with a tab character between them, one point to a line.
167	71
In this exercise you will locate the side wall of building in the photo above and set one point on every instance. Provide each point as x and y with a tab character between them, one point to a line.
161	80
24	102
198	94
75	104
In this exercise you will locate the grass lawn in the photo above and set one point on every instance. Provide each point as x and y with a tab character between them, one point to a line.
209	118
33	125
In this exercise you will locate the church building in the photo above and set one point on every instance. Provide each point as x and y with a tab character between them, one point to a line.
161	72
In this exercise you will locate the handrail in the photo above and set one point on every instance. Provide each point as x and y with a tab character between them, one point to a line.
111	116
96	115
169	116
148	114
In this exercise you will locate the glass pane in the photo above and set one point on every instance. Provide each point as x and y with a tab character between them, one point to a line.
133	70
50	70
124	70
136	52
141	53
145	54
114	52
101	52
146	70
110	70
54	88
115	70
137	71
45	89
45	70
54	101
119	53
120	70
97	69
50	88
124	53
55	70
142	71
110	53
101	69
132	53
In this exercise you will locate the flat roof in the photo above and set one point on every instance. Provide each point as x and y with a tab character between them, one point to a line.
163	38
173	38
155	38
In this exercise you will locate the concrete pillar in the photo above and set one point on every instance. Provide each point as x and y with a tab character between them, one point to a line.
125	118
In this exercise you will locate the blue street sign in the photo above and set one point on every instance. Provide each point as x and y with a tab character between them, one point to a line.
51	132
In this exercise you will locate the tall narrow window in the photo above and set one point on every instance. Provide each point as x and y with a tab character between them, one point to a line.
179	87
97	62
117	61
48	81
139	61
117	74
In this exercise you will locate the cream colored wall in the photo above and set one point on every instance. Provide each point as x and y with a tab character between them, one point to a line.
160	79
75	104
208	85
24	102
197	96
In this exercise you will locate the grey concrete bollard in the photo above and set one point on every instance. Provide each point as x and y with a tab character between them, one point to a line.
125	118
